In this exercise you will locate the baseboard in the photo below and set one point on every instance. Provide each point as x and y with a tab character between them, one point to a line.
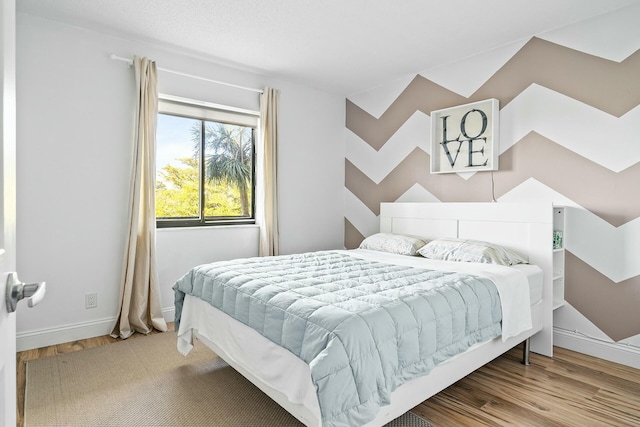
613	352
79	331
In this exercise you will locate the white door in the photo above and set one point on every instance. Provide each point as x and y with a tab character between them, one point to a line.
7	208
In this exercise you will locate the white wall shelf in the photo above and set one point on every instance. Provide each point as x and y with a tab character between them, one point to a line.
558	256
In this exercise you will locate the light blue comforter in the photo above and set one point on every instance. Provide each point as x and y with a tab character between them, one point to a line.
364	327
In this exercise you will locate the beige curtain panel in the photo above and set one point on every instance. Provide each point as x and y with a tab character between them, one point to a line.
140	306
268	215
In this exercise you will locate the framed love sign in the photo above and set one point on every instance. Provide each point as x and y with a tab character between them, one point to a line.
465	138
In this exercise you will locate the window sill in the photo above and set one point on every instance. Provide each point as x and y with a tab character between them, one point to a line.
206	227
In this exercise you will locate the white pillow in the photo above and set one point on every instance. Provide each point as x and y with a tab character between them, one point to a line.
393	243
470	251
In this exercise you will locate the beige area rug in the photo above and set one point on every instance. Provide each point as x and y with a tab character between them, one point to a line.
146	382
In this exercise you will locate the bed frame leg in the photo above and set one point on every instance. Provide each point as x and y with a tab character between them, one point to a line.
526	349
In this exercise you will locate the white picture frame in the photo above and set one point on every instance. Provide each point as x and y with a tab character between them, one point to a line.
465	138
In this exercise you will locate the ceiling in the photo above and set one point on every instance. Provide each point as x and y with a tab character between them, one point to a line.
342	46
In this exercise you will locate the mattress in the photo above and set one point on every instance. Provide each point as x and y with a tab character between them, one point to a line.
279	372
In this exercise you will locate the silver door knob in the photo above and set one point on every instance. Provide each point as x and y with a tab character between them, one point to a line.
33	292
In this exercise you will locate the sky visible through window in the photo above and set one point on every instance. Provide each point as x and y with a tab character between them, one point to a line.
173	140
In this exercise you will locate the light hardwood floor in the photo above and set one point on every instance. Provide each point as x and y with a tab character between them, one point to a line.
571	389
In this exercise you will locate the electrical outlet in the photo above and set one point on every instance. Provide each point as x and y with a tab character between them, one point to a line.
91	300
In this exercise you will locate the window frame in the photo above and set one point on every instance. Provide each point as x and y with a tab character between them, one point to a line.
210	112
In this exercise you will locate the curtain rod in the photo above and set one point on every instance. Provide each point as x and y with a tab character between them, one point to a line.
130	62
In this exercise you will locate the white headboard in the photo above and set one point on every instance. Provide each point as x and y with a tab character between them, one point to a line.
524	227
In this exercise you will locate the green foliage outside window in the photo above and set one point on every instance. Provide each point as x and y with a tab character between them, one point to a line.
177	193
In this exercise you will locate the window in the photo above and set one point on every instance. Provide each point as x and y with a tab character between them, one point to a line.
205	158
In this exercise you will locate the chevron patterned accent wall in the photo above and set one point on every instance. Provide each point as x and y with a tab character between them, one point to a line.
569	134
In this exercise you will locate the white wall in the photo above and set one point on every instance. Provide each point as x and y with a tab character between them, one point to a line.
74	132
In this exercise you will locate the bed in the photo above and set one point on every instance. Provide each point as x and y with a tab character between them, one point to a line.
287	379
